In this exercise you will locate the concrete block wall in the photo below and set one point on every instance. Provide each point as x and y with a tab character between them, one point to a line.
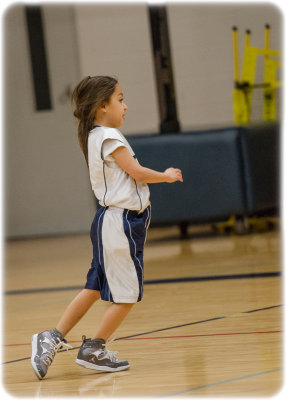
46	189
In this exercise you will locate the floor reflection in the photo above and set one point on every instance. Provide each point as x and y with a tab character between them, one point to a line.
103	384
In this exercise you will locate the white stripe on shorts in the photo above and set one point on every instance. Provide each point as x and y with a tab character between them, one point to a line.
119	267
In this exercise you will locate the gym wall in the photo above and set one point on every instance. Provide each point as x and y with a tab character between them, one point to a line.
115	40
47	188
202	48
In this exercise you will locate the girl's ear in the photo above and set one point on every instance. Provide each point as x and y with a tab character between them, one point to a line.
102	107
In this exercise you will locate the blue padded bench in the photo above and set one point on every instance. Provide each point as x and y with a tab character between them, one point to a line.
229	171
211	165
260	147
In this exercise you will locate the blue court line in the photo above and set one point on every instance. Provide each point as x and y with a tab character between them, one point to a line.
240	378
154	282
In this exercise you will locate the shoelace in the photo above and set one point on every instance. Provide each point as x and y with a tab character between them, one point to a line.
109	353
53	349
105	353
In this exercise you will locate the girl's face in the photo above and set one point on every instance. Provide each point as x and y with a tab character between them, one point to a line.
114	111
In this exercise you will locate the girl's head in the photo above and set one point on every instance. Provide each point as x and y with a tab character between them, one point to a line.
97	99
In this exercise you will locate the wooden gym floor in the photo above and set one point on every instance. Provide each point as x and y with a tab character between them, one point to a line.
210	323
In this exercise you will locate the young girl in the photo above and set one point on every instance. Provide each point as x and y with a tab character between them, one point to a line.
118	231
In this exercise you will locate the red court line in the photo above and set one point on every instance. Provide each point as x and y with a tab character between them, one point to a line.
208	334
165	337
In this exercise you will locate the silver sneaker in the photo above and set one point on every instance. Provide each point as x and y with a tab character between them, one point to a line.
93	354
44	348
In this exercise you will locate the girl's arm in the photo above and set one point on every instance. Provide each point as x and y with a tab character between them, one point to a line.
141	174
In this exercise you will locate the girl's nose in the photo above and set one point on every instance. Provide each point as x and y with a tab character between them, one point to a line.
125	107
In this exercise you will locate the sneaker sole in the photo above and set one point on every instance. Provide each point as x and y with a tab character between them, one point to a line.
34	352
86	364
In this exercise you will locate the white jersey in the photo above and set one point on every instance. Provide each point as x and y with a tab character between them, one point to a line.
111	185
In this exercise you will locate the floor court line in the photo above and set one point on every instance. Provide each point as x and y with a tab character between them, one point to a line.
206	335
219	383
153	282
164	337
199	322
162	329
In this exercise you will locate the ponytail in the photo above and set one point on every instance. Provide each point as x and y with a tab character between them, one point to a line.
87	97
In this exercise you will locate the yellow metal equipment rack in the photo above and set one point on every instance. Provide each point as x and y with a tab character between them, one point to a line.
242	97
243	88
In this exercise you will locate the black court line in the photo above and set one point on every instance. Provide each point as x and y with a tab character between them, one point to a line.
154	282
162	329
239	378
197	322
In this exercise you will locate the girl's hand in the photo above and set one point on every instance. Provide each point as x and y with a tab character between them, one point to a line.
173	175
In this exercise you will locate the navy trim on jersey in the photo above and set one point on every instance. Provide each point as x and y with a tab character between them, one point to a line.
137	188
138	194
103	165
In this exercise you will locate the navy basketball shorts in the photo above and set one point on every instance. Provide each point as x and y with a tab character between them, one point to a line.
118	237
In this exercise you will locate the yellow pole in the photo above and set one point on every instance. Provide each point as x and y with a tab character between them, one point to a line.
247	77
269	106
247	39
235	53
267	36
237	97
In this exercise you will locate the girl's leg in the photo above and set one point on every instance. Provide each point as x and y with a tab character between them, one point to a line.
46	344
93	353
112	318
76	310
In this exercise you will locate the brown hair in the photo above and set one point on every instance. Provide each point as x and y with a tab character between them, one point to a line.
87	97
